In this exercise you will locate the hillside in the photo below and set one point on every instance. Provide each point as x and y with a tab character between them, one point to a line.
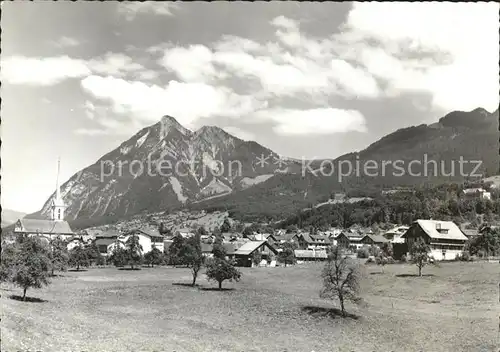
10	216
471	135
165	166
99	195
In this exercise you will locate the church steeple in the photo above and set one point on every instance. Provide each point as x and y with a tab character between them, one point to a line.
57	213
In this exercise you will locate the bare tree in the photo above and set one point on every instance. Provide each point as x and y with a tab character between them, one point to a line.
341	279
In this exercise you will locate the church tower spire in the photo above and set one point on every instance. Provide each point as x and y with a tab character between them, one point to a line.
57	213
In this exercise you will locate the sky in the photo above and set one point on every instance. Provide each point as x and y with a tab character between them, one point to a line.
307	80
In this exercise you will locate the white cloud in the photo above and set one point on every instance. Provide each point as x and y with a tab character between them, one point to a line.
131	9
65	42
186	101
41	71
114	64
192	64
240	133
313	121
466	33
353	80
52	70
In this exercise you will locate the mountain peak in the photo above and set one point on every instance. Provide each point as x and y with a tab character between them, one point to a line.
169	123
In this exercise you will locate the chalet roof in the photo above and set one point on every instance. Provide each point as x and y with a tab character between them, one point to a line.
108	234
315	239
377	238
250	247
150	231
45	226
300	253
430	228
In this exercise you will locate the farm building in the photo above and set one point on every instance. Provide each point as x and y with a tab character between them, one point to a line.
244	254
106	238
374	240
444	238
310	255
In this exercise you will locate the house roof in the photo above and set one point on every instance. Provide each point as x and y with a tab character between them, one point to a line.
151	232
108	234
45	226
250	247
300	253
208	247
285	237
430	228
397	230
473	190
377	238
470	232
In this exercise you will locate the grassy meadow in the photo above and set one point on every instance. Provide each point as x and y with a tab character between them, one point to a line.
454	307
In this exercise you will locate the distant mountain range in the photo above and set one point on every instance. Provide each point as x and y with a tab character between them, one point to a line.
10	216
227	173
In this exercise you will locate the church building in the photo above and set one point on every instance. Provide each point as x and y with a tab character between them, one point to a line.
51	228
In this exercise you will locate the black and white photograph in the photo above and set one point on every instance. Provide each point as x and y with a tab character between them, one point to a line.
237	176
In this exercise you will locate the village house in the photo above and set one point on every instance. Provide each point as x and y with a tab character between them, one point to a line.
444	238
286	237
105	239
473	193
207	249
394	234
244	254
148	238
185	233
308	241
374	240
76	241
350	240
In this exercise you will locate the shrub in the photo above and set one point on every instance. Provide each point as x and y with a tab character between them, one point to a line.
369	261
403	259
390	260
363	253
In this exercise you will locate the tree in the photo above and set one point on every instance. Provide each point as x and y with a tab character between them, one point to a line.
387	249
58	255
153	257
119	256
256	258
419	251
218	249
93	254
341	279
175	249
193	256
226	226
31	265
202	231
9	253
287	254
134	251
221	270
78	257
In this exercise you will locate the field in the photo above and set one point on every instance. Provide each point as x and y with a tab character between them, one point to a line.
453	308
